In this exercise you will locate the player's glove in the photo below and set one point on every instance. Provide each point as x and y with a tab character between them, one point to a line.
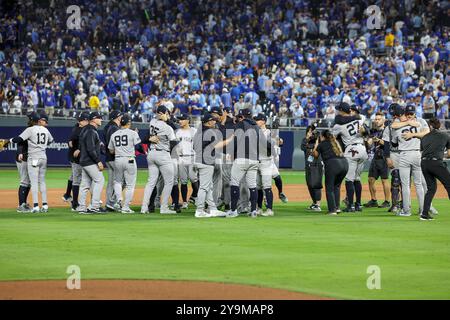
3	144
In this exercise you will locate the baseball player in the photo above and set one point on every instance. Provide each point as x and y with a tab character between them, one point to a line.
217	114
22	167
175	193
38	138
207	142
249	141
407	134
392	155
92	175
265	170
228	124
112	126
350	129
159	160
185	150
275	161
74	156
122	144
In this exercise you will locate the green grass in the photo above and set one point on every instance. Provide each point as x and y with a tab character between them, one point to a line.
296	250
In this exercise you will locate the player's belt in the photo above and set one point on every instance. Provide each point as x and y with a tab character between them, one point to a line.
158	150
408	150
435	159
357	144
186	155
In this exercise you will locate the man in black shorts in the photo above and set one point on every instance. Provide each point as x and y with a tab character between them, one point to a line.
378	166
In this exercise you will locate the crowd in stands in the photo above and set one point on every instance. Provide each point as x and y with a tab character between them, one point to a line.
294	59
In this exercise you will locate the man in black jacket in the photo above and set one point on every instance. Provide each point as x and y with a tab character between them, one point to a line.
112	126
249	142
74	157
92	176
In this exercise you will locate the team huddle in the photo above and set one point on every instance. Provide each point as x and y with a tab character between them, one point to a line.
396	147
229	161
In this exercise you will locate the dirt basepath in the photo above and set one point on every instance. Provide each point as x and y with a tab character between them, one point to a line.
295	192
143	290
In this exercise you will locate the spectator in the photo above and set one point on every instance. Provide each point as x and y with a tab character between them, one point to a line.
429	106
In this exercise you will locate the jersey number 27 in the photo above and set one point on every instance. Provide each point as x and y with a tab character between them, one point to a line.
353	128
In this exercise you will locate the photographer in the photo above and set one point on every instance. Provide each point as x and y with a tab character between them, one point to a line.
313	167
378	167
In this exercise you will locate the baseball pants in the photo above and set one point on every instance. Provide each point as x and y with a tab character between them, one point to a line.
356	156
205	191
275	171
91	179
36	173
217	182
159	162
125	171
111	198
186	172
22	167
77	171
249	169
226	180
264	177
410	162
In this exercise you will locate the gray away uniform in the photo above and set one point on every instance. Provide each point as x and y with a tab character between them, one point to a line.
159	161
38	139
185	151
123	144
409	162
355	151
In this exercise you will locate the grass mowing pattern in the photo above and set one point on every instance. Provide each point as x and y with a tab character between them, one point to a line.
296	250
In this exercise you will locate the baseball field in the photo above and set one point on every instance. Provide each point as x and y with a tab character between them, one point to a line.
295	254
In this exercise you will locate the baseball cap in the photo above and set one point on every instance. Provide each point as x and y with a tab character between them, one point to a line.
94	115
396	110
183	116
216	110
162	109
83	116
207	117
32	115
344	107
410	109
43	116
35	116
260	116
125	120
245	112
355	108
114	114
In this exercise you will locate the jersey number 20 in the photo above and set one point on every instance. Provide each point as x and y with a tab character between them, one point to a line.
121	141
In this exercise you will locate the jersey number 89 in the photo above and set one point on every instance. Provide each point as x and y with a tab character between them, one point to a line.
121	141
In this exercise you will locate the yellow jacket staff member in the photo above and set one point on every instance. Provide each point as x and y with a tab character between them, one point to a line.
94	103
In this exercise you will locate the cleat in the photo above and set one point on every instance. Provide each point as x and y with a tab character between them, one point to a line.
385	204
96	210
66	198
185	205
316	208
426	217
145	211
36	210
217	213
254	214
338	211
371	204
23	208
110	208
402	213
358	207
167	211
192	200
126	210
332	213
231	214
199	213
433	211
117	206
268	213
283	197
177	208
349	209
259	211
44	209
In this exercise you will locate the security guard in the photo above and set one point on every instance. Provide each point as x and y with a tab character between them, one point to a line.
433	145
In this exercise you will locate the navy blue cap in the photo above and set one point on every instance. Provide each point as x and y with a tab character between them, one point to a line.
410	109
216	110
126	119
344	107
260	116
43	116
35	116
207	117
32	115
245	112
114	114
183	116
355	108
396	110
162	109
95	115
83	116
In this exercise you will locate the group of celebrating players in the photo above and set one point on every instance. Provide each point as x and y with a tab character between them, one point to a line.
230	162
